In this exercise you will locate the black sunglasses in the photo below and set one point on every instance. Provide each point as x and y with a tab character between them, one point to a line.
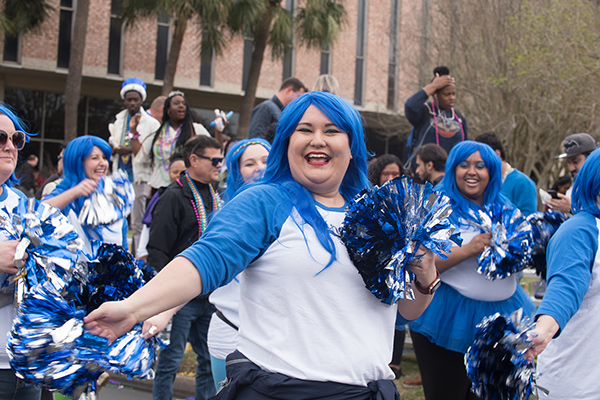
17	137
214	160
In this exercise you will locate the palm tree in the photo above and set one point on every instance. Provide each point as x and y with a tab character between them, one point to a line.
22	16
318	23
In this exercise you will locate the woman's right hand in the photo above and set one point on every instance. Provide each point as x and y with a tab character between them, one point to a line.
479	243
86	187
7	256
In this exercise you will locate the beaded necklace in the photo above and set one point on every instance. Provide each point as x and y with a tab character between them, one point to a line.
163	146
198	204
437	135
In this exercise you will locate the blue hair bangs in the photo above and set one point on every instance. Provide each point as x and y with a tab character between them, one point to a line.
459	153
586	189
234	178
346	118
20	125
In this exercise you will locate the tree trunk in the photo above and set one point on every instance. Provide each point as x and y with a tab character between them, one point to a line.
171	67
73	87
261	38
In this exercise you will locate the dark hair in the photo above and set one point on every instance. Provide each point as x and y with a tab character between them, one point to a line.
294	83
492	140
562	180
196	145
431	152
187	127
441	70
177	156
586	186
378	164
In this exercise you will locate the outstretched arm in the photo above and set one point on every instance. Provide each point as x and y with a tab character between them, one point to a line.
83	188
176	284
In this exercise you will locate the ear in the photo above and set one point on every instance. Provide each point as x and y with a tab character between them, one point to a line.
499	154
429	166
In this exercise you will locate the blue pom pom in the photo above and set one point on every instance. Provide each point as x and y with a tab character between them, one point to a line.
510	247
495	362
543	226
384	227
112	203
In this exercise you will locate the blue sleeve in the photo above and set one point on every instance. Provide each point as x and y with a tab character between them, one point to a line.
521	191
415	109
570	258
237	234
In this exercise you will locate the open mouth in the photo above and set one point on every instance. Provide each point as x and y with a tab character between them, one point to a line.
317	159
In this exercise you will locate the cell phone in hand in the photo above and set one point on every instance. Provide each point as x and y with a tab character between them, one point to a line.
553	193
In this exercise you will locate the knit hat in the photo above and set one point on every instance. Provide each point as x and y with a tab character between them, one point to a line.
135	84
578	143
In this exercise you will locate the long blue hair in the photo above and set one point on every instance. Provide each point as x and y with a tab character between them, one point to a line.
235	180
345	117
76	152
459	153
20	125
586	188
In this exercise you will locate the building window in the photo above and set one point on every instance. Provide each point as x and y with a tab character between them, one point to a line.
65	32
359	71
248	48
325	60
206	66
12	44
162	45
115	38
393	57
289	55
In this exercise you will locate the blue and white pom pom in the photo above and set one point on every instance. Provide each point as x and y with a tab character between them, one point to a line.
110	202
496	363
543	226
384	227
510	247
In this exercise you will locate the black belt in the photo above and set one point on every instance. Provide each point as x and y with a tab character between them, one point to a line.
224	319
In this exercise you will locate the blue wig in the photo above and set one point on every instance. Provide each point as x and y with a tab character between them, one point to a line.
345	117
74	172
20	125
235	180
459	153
586	188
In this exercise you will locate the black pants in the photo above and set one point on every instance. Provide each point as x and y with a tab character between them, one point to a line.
442	370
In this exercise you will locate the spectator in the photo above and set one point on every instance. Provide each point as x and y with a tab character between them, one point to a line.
384	168
264	116
516	186
326	83
431	163
577	147
562	184
568	318
131	135
26	174
178	220
157	107
436	121
54	179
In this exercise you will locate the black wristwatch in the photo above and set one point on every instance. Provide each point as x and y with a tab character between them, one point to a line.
431	288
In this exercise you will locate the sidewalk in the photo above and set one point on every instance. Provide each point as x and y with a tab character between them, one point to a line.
183	388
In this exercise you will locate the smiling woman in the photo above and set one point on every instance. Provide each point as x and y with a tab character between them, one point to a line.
320	333
12	139
446	329
85	163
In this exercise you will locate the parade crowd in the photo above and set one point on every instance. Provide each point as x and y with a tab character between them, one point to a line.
242	233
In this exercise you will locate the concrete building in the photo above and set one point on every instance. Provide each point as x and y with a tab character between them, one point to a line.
376	59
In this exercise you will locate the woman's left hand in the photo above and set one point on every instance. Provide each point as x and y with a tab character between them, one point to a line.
152	326
424	266
7	256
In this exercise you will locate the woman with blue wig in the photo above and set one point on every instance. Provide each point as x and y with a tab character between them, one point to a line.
12	139
568	318
442	335
308	326
246	161
85	164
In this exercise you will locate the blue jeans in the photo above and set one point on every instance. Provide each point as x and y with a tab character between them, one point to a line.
13	388
190	324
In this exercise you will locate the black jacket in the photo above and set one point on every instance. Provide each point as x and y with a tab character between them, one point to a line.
174	225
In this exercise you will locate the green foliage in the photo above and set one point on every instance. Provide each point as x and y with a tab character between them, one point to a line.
282	31
22	16
320	22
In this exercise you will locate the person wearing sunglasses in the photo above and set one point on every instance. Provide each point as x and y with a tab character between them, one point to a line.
178	220
12	139
85	164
